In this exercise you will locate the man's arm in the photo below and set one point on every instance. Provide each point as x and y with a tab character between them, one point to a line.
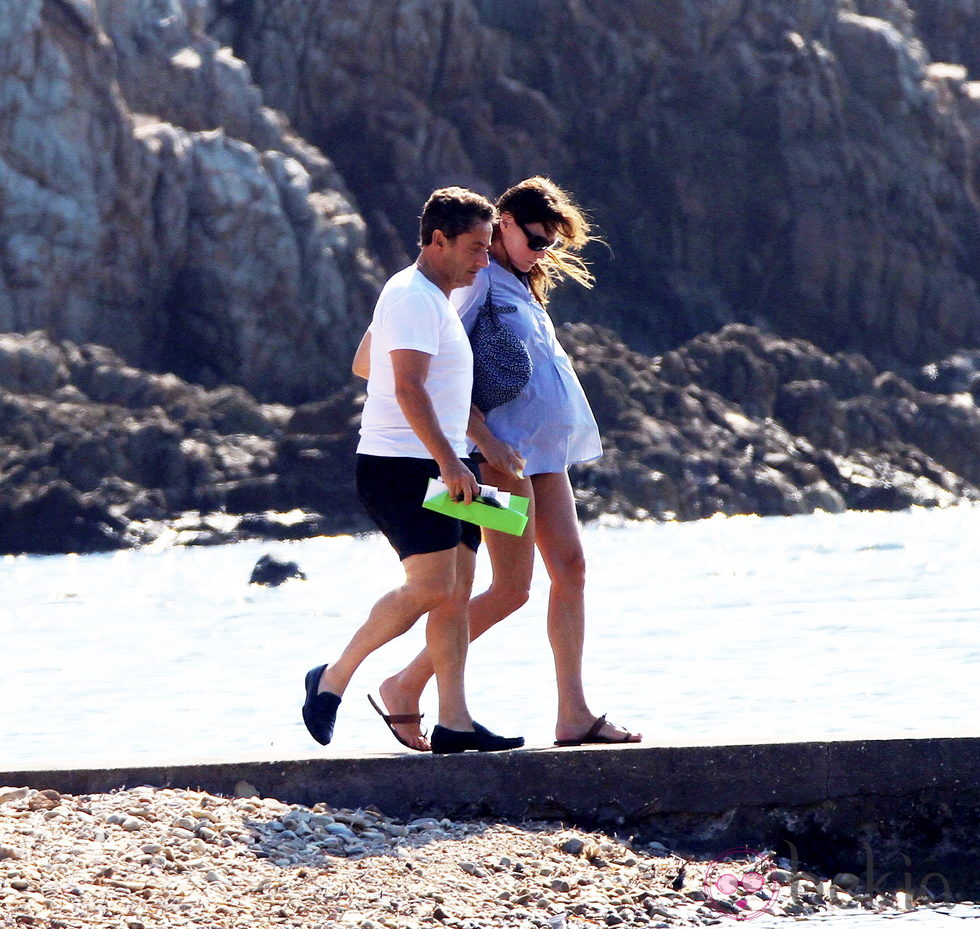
361	365
411	368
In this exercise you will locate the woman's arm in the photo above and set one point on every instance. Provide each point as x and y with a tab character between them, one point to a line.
497	453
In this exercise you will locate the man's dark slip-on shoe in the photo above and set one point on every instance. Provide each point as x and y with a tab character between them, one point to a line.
452	741
320	710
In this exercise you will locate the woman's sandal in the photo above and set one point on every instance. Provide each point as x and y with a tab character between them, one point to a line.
398	719
592	737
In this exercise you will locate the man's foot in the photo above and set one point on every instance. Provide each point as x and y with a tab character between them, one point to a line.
319	708
405	709
601	732
478	739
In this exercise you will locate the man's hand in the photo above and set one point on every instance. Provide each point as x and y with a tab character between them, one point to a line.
459	480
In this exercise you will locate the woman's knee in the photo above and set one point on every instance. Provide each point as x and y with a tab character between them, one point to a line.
569	571
510	597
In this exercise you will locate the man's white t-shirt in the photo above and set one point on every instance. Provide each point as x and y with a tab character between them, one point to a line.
413	313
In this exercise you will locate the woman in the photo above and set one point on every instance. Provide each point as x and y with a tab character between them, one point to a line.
526	447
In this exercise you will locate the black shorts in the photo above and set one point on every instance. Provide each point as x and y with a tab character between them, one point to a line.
392	489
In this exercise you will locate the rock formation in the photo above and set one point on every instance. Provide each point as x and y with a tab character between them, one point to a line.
154	205
807	167
804	166
96	455
200	199
949	31
743	422
271	572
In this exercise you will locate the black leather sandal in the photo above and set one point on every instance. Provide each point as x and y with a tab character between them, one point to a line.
592	737
396	719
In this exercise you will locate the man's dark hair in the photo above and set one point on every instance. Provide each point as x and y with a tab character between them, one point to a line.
453	210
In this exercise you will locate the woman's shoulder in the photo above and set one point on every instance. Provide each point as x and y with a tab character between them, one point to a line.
508	288
464	299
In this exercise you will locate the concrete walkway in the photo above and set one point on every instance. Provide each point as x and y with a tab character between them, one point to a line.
908	806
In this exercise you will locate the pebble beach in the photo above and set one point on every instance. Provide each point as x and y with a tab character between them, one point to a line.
147	858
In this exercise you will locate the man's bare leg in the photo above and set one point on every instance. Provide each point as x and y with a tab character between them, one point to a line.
447	637
512	558
430	580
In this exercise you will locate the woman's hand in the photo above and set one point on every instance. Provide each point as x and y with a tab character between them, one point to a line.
502	456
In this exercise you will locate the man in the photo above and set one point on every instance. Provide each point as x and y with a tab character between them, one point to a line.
420	377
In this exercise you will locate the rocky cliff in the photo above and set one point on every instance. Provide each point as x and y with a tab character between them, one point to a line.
152	203
805	166
215	187
199	200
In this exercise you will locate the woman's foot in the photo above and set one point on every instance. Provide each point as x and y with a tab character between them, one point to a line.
394	720
398	702
597	732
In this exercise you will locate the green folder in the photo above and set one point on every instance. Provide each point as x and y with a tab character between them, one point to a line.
511	518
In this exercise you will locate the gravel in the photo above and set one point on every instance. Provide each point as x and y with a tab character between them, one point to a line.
148	858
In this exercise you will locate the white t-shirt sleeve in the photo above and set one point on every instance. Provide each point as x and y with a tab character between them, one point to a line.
411	322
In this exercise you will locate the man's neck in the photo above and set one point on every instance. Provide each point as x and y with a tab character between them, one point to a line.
431	273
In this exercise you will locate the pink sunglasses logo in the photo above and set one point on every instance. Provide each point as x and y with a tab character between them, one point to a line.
738	884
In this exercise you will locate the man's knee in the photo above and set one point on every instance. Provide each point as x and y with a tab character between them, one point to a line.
431	592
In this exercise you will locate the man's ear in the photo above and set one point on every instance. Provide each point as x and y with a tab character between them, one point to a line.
439	238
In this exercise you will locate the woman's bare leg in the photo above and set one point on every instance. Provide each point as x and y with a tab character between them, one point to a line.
560	543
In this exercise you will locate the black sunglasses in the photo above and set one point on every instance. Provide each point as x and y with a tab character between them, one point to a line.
538	243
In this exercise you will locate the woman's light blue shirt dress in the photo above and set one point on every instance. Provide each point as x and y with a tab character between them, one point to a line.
550	423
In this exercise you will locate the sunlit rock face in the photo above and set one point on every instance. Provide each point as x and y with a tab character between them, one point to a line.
808	166
153	204
215	187
200	199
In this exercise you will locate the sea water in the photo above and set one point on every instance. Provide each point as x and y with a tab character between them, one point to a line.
724	631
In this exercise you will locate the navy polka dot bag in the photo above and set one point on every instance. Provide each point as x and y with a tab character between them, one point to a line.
501	363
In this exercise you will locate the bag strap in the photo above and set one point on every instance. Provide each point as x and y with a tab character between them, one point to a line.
492	308
488	303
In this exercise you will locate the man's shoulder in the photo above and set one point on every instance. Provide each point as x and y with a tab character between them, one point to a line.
408	279
409	284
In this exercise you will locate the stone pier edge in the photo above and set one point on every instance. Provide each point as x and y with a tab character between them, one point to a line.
908	806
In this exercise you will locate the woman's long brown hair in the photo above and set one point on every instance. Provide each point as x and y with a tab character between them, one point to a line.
541	200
